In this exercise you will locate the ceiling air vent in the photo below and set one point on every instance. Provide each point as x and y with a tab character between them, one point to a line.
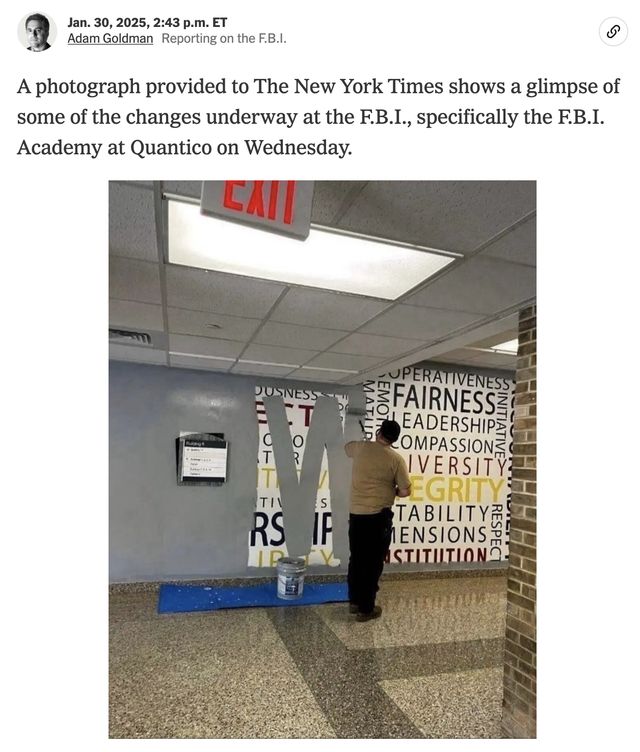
126	336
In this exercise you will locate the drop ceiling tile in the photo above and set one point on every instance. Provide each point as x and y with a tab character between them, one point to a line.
134	280
132	228
200	290
137	354
456	356
260	369
222	348
278	355
444	359
182	321
510	323
274	333
192	188
497	339
344	362
325	309
141	316
372	344
450	215
313	374
472	354
489	360
480	285
517	245
147	184
203	364
424	324
332	198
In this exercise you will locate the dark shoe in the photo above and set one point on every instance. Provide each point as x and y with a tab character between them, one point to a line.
377	611
353	608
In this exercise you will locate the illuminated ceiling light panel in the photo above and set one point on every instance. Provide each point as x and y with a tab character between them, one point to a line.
267	363
325	260
508	348
204	357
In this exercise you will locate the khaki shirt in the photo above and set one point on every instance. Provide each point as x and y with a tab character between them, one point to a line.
377	471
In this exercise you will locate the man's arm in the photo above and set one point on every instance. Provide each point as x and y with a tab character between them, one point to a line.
349	448
403	482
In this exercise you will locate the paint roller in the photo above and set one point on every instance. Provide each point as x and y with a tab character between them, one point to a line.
358	412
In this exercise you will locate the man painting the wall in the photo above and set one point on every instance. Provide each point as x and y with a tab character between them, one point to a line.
379	474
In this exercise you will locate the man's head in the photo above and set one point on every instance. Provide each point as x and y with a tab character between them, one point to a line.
37	27
389	431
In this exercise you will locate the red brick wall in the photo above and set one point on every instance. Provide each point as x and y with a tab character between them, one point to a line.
519	701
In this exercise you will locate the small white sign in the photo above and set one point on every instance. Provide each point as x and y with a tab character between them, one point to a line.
204	462
202	458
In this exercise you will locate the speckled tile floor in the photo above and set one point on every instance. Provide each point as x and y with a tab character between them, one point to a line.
430	667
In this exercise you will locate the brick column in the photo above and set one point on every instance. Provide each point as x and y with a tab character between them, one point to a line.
519	700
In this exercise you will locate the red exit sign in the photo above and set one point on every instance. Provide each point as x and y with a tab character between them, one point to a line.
282	206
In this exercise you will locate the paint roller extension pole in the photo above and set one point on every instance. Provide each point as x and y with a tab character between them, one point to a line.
357	412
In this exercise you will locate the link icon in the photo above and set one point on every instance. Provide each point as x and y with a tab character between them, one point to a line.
613	31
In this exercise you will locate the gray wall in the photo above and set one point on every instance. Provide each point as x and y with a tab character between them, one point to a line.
162	531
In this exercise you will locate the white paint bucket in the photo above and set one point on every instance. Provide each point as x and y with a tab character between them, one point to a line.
290	578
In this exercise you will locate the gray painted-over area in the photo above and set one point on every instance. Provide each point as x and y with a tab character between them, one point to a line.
162	531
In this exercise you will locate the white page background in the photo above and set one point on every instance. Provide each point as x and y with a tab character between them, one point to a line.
54	305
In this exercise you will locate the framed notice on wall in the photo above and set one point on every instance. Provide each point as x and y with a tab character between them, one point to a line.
201	459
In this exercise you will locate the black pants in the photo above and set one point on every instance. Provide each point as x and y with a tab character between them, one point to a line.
369	541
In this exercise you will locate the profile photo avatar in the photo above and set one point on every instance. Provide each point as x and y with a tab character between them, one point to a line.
37	28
